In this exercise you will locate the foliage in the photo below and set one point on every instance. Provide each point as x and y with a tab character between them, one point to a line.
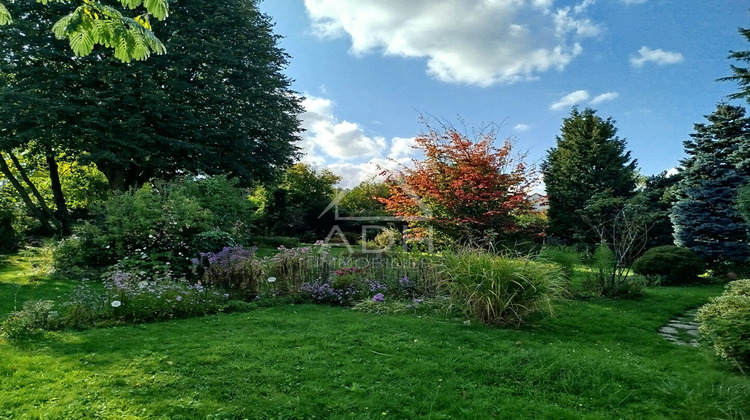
292	267
211	241
274	241
223	78
162	221
304	195
564	256
93	23
501	291
705	219
234	269
725	323
610	280
463	188
364	200
36	315
589	159
674	264
741	74
655	199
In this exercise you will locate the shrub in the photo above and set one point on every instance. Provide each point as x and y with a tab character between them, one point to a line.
274	241
676	265
499	290
566	257
725	323
211	241
610	280
36	315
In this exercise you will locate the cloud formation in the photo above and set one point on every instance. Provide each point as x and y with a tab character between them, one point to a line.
338	139
475	42
658	56
360	157
582	96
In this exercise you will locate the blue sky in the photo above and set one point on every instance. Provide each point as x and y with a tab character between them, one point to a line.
369	68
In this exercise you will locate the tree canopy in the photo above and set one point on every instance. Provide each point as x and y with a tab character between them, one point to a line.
463	188
218	103
588	163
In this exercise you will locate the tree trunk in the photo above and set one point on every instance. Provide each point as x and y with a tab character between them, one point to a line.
35	192
25	196
57	193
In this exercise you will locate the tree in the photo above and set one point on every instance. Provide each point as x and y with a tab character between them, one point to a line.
467	190
741	74
93	23
705	218
589	159
218	104
303	194
654	199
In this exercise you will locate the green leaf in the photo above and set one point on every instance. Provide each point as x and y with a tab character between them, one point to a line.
158	8
5	17
81	42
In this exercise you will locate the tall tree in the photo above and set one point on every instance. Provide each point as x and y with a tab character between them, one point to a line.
217	104
741	74
589	162
705	218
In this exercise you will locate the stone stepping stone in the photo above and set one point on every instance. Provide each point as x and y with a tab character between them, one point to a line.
678	329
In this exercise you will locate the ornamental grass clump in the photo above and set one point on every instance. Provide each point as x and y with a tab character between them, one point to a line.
292	267
499	290
725	323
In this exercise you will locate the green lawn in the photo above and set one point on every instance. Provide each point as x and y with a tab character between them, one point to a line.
597	359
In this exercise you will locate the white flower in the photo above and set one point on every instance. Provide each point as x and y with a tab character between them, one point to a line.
116	303
271	279
142	284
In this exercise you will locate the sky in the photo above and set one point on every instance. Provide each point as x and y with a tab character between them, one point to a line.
369	70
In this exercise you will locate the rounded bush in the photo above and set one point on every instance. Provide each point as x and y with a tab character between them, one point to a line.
725	323
676	265
211	241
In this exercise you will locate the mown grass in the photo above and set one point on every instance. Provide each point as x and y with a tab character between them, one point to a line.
597	359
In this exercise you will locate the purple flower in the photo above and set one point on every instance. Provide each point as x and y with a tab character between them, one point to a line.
378	298
417	301
404	282
178	298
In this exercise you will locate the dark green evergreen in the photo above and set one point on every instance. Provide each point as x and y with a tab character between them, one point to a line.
741	74
589	162
656	198
705	218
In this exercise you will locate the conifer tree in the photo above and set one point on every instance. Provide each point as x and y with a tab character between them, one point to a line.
705	218
589	163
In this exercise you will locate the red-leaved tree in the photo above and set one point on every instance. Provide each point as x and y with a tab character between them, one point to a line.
466	189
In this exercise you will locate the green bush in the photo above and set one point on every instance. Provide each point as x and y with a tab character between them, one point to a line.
274	241
566	257
725	323
211	241
674	264
499	290
165	221
610	280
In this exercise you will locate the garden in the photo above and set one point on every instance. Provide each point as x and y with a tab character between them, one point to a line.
167	253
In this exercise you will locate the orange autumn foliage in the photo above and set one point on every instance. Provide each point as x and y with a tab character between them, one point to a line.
466	189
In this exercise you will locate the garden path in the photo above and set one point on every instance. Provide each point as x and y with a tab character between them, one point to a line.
682	330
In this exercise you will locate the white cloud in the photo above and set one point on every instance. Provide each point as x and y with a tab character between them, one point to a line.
359	157
570	99
604	97
658	56
338	139
521	127
476	42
